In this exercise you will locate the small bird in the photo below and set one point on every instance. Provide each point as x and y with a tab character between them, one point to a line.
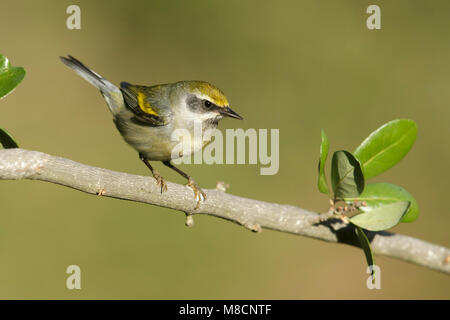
146	116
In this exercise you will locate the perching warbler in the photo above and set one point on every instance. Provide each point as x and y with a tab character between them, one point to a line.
147	116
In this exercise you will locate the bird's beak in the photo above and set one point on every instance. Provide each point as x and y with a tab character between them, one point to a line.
230	113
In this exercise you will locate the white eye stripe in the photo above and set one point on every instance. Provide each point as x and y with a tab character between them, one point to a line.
202	96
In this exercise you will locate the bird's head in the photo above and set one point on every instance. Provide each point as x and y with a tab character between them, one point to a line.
205	101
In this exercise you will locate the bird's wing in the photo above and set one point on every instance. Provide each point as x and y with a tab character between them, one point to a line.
147	103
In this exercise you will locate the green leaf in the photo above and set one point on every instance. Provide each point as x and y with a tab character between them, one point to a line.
323	183
386	146
10	77
365	245
379	194
6	140
347	178
381	218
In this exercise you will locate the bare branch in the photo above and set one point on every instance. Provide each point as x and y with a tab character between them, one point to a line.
16	164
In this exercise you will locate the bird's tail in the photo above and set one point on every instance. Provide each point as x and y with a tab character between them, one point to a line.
110	92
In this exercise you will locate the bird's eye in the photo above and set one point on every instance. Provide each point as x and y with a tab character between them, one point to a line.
208	104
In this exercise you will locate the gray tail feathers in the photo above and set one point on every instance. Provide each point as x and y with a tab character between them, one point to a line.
91	76
110	92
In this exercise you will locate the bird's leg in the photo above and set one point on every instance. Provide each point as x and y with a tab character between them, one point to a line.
159	180
198	193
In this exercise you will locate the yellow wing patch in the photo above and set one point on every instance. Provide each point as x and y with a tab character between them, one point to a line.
144	105
217	96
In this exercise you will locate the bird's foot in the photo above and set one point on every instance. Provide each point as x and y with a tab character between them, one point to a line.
199	195
160	181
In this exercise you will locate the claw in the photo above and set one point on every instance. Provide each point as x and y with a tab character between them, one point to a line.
199	195
160	182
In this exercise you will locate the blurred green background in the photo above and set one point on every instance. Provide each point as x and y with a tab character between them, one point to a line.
294	65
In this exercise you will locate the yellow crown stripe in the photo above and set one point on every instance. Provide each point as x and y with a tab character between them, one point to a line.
212	92
145	106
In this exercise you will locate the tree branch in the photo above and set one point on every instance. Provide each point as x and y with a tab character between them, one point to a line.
16	164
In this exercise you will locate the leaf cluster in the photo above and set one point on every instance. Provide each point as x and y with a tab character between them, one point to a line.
380	206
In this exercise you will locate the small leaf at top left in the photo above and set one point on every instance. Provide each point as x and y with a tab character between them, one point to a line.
10	76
